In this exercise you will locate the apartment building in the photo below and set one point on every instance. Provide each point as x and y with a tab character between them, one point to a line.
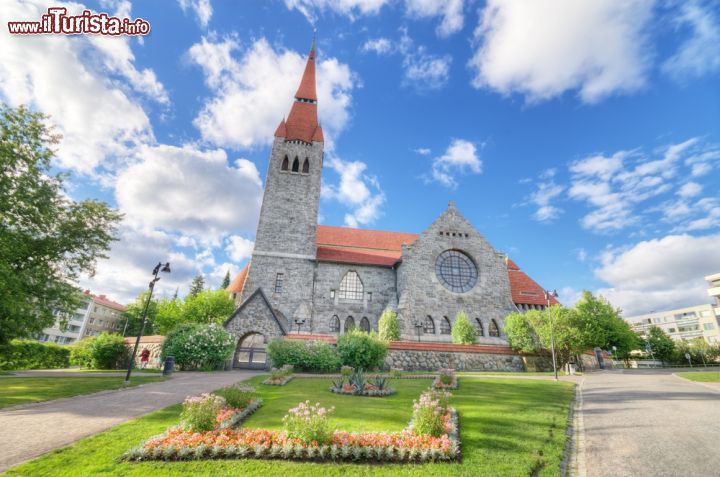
96	314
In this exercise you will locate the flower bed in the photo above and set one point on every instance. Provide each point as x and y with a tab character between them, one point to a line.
280	376
354	383
231	417
279	381
368	390
404	446
437	384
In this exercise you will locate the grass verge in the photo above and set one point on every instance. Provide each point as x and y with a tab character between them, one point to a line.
701	376
507	427
15	390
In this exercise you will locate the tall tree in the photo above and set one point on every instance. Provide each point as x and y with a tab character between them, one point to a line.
134	315
197	285
47	240
208	306
226	281
663	347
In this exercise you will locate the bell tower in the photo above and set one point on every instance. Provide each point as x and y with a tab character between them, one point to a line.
283	260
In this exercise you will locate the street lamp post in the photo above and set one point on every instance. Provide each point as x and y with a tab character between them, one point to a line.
418	326
156	271
552	294
299	323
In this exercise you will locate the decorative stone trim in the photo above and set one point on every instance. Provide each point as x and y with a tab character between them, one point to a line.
239	418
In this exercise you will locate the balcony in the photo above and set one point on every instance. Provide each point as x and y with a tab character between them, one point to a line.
714	291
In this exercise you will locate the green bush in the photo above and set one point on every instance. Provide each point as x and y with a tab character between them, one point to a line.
462	331
238	395
361	350
389	326
104	351
197	346
27	354
304	355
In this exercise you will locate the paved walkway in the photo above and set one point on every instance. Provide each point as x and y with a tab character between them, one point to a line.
30	431
650	423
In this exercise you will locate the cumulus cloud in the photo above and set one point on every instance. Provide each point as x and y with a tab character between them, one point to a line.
460	157
190	192
659	274
542	197
350	8
699	54
239	248
202	8
544	48
261	85
451	12
356	190
380	46
84	83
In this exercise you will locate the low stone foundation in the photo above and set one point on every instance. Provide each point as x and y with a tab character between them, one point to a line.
423	360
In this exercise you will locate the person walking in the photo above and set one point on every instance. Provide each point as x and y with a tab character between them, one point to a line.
144	358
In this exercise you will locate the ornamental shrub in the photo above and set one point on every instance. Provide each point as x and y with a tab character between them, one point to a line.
28	354
195	346
429	415
200	412
389	326
304	355
309	423
238	395
104	351
463	332
361	350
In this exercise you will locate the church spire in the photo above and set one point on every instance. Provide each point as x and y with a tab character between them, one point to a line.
302	123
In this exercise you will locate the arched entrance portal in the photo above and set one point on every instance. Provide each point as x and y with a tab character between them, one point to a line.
250	352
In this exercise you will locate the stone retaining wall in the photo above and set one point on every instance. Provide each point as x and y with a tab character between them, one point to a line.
421	360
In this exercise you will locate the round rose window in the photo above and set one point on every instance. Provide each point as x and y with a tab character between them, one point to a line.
456	271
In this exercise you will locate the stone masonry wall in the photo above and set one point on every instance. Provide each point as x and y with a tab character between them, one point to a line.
433	360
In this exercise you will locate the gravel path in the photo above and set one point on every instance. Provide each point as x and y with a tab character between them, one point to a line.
30	431
650	423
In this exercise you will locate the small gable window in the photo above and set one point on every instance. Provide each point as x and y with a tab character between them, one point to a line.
429	326
285	164
306	166
365	324
445	327
494	330
349	324
296	165
335	324
351	288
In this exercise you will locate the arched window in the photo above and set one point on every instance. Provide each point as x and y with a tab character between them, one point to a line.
429	326
285	164
365	324
351	288
479	327
445	327
296	165
494	330
349	324
335	324
306	166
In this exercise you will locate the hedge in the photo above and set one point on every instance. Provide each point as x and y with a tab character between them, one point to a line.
304	355
28	354
104	351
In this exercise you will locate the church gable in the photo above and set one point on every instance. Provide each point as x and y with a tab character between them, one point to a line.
256	315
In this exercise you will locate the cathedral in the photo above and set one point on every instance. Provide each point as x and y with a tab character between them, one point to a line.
305	278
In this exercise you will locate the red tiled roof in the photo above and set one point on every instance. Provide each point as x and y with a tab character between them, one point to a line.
302	123
318	136
307	84
524	289
105	301
237	285
281	130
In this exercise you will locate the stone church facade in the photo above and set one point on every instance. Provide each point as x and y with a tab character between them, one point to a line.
305	278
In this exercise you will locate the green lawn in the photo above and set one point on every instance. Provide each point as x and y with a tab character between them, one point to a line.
507	427
702	376
14	391
88	370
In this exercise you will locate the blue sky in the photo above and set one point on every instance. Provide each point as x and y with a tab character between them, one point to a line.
581	138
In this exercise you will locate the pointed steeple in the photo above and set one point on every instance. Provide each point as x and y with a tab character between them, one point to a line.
302	123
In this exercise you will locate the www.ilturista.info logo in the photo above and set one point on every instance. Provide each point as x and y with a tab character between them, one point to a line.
56	21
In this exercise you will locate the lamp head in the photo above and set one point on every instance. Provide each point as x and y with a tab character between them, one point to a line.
166	268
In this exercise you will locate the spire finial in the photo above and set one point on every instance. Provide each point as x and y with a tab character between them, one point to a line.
312	47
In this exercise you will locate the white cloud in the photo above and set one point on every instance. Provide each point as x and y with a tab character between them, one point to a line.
357	190
381	46
451	12
542	197
350	8
423	70
544	48
581	254
690	189
260	85
193	193
659	274
460	157
423	151
700	53
202	8
84	83
239	248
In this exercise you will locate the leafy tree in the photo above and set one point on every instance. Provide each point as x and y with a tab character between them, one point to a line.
197	285
46	239
134	315
389	326
197	346
662	345
169	316
226	281
105	351
520	332
462	331
207	307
